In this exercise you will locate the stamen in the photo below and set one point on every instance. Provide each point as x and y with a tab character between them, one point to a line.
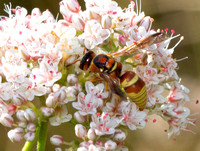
181	59
136	6
125	117
140	7
182	37
98	114
154	120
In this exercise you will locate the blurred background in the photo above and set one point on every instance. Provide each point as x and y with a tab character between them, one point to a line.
184	17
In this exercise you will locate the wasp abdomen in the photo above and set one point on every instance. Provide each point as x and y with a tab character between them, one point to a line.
135	88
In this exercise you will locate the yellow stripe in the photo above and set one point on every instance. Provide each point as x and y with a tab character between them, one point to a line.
127	84
114	67
139	98
134	95
141	104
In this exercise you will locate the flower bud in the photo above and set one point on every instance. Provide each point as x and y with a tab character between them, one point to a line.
47	111
73	5
72	79
110	145
31	127
80	131
47	16
21	12
78	22
79	118
106	21
82	149
91	134
20	115
6	120
56	87
58	149
56	140
36	12
29	114
60	95
66	13
16	135
29	136
146	23
92	14
22	124
119	136
51	100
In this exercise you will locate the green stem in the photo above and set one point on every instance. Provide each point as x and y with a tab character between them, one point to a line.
42	136
29	145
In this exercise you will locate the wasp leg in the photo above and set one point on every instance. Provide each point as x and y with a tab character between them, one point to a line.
115	109
95	79
73	63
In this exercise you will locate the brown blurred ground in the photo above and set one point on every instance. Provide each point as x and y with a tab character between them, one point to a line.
182	16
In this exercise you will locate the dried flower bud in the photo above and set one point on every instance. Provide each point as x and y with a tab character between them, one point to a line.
119	136
91	134
79	118
80	131
110	145
29	114
106	21
11	109
56	87
20	115
72	79
29	136
16	135
47	111
56	140
31	127
51	101
6	120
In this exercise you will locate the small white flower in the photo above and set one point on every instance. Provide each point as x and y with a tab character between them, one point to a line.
103	124
98	90
132	117
87	104
93	34
61	116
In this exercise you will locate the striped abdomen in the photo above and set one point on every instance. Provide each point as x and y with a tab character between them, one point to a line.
135	88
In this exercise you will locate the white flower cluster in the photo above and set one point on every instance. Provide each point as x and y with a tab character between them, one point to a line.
38	62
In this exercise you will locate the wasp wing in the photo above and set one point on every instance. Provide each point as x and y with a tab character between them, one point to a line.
141	44
113	84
